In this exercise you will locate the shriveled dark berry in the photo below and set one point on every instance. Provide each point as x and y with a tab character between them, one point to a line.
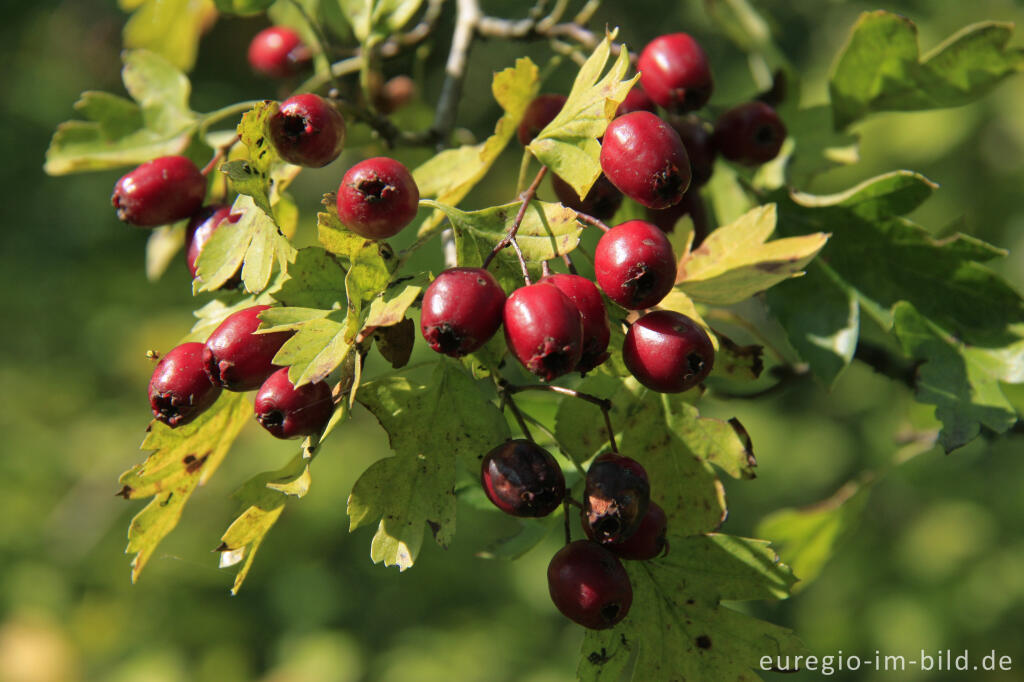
615	498
522	479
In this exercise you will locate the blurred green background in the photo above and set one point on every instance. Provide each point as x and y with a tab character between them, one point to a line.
936	562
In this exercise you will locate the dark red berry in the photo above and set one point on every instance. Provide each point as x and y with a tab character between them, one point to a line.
236	357
539	113
277	52
522	479
161	191
644	157
289	412
462	310
587	299
636	100
668	352
692	205
589	585
377	198
395	94
307	130
751	134
634	264
696	137
180	390
615	498
200	228
649	539
602	201
543	330
675	73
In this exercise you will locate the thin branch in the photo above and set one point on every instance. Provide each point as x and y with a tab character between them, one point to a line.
591	220
506	399
220	154
569	263
510	238
466	18
565	518
603	403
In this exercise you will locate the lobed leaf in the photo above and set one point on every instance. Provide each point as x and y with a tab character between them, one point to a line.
253	176
170	28
315	280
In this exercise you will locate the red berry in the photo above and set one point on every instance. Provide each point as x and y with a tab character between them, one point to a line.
236	357
649	539
751	134
160	191
691	205
307	130
522	479
602	201
539	113
636	100
395	94
462	309
644	157
615	498
668	352
200	229
696	137
587	299
289	412
543	330
674	72
377	198
634	264
589	586
180	390
277	52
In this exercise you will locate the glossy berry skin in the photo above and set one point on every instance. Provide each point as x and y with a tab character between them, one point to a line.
589	585
161	191
696	137
180	390
239	359
668	352
522	479
307	130
584	295
634	264
462	309
675	73
750	134
615	498
199	230
543	330
602	201
377	198
539	113
648	541
277	52
636	100
289	412
644	157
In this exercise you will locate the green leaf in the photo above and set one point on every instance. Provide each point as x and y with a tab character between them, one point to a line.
735	261
390	307
215	312
163	245
243	7
315	280
395	342
170	28
568	144
817	145
182	459
881	69
531	533
253	177
317	348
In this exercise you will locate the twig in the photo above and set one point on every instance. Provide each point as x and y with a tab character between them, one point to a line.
466	18
565	518
591	220
568	263
604	403
220	154
506	399
510	238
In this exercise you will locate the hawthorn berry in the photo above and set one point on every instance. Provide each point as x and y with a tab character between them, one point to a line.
394	94
161	191
589	585
692	204
648	541
307	130
634	264
236	357
602	201
539	113
751	134
615	498
377	198
636	100
522	479
584	295
668	352
180	390
462	310
675	73
289	412
199	230
277	52
645	159
696	137
543	330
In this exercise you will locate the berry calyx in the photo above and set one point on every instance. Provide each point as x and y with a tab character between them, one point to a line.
277	52
289	412
636	100
696	137
236	357
648	541
615	498
307	130
180	390
539	113
377	198
668	352
751	134
634	264
543	330
522	479
602	201
462	309
596	333
589	585
675	73
199	230
644	157
161	191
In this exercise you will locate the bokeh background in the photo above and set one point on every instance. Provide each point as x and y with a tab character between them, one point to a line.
936	561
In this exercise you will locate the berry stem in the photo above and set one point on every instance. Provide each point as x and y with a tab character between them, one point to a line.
565	518
220	154
603	403
506	400
510	238
569	263
591	220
